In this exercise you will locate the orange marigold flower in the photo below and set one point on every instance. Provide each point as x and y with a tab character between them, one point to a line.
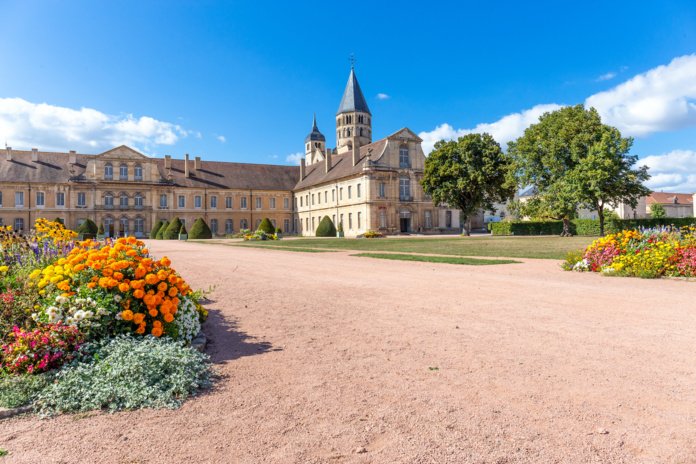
165	262
169	317
151	279
91	285
138	318
79	267
157	324
153	312
118	276
157	331
173	291
140	271
162	286
145	251
124	287
127	315
107	272
139	293
131	240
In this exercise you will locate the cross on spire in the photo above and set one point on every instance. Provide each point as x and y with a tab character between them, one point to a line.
352	60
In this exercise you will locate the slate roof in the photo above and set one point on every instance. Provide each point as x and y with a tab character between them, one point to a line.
663	197
315	134
530	192
50	168
341	166
353	98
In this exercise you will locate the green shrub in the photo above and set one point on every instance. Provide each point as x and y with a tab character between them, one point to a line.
88	227
326	228
172	231
160	233
155	229
340	227
657	211
266	226
128	373
18	390
527	228
585	226
101	229
59	220
200	230
278	230
182	231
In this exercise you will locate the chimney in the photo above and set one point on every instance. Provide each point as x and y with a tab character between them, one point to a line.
302	169
9	153
197	163
167	162
73	157
35	154
356	149
328	160
186	167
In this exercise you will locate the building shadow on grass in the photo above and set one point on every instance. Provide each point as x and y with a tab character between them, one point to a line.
226	342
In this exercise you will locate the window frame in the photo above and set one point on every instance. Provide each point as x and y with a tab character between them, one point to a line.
41	195
59	195
108	171
122	176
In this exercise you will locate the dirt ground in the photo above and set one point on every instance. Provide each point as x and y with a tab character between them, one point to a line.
331	358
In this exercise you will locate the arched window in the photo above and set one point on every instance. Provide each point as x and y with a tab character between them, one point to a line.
138	172
138	201
109	200
139	227
404	189
403	157
123	172
108	171
123	201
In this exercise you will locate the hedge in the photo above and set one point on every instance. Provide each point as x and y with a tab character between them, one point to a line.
583	226
160	233
326	228
266	226
200	230
155	229
172	232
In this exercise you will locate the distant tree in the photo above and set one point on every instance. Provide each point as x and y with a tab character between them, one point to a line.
326	228
575	161
155	229
172	232
267	226
200	230
469	174
657	211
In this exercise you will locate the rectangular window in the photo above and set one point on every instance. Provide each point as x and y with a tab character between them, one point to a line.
312	199
60	199
0	198
333	195
334	219
228	202
139	225
213	226
243	224
428	221
350	194
138	174
382	190
81	199
300	202
318	198
307	200
138	201
19	224
163	201
307	224
286	203
40	197
448	219
358	192
341	194
350	220
326	196
228	226
313	224
382	219
341	220
359	220
182	201
286	226
258	202
243	204
123	172
273	203
197	201
19	198
213	201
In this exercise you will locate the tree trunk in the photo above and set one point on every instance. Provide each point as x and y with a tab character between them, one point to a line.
466	225
600	214
566	228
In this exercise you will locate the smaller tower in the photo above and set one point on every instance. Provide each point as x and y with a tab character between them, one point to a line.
314	144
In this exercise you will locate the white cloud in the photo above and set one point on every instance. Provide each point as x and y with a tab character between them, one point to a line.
672	172
294	159
382	96
504	130
25	125
662	99
606	77
221	138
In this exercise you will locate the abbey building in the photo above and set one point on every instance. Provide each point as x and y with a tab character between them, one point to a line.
362	184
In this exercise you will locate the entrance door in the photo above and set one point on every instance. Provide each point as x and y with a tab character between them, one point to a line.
405	220
404	225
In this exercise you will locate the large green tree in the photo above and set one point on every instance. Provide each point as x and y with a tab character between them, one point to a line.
469	174
575	161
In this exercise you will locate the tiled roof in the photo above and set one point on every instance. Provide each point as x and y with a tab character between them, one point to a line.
341	166
353	98
216	174
50	168
665	197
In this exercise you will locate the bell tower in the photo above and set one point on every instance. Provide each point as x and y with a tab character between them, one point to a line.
353	118
314	144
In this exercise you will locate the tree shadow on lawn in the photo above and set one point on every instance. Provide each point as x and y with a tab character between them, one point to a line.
226	342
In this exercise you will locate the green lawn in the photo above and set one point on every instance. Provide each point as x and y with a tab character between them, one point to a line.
437	259
508	247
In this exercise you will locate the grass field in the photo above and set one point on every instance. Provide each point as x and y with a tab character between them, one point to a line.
437	259
508	247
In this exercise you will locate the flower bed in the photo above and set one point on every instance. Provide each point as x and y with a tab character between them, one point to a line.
648	253
63	301
371	234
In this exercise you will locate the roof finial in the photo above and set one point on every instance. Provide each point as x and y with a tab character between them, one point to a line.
352	60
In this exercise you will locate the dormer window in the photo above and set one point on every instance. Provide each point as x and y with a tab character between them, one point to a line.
108	171
403	157
123	172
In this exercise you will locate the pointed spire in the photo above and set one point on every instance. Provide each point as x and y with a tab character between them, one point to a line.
353	98
315	134
314	124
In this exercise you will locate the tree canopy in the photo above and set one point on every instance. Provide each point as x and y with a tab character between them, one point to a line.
657	211
575	161
469	174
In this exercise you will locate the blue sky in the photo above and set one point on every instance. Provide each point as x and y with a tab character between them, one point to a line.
239	81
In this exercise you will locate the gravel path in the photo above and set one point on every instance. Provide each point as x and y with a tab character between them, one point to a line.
328	358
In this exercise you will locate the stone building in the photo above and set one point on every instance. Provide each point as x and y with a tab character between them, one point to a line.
362	184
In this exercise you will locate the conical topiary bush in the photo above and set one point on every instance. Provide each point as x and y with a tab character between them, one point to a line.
200	230
88	227
182	231
155	229
160	233
172	232
326	228
101	229
59	220
267	226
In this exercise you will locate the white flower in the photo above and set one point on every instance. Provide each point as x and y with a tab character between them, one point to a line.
117	298
69	321
118	317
